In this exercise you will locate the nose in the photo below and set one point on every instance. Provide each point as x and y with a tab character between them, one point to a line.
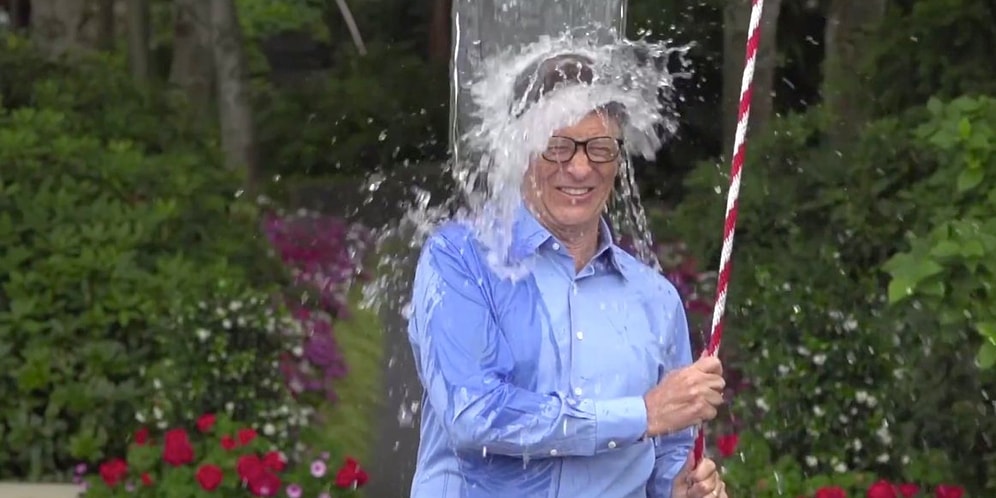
579	167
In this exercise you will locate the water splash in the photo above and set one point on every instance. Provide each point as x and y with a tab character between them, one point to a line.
491	158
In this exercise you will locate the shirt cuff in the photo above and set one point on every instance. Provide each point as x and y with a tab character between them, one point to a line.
619	422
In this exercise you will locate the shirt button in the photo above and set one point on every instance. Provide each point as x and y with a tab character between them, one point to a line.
612	445
556	246
553	452
578	391
580	335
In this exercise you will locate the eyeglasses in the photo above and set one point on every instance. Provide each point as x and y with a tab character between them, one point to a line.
598	149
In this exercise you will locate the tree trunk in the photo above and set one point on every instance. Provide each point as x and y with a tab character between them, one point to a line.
439	31
234	112
57	25
736	19
192	67
845	100
105	29
138	40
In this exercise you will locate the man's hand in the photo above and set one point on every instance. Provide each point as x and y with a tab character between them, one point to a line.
685	397
701	482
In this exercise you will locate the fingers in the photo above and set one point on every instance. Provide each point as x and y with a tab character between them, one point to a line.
710	365
705	481
704	471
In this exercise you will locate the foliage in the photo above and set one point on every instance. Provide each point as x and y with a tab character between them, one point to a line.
839	380
324	254
219	457
951	262
220	356
750	468
98	249
370	113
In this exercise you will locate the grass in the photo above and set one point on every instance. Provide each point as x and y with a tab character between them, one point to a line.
349	424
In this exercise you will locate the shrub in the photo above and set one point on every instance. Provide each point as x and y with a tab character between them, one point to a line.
221	356
838	380
99	247
221	457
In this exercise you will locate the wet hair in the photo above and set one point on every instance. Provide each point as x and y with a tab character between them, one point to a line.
547	75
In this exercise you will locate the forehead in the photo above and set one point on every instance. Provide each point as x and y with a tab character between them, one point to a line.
594	124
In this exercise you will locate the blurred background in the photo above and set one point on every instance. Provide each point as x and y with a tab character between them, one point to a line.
190	191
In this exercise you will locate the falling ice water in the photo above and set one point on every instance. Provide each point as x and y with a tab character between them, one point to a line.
491	157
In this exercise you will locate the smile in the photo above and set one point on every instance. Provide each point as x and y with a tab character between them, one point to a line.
576	191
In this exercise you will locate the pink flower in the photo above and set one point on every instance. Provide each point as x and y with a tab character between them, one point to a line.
294	491
318	468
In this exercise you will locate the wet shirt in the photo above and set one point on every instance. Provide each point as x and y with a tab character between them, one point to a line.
534	386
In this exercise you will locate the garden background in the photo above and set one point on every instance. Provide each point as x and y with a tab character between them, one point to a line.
180	274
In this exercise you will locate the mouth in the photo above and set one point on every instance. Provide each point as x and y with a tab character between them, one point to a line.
576	192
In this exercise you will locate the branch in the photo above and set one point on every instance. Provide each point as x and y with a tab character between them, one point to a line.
351	24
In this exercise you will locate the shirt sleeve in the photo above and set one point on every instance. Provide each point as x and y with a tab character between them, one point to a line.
464	363
673	449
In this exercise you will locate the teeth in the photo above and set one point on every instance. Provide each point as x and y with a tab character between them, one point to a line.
575	191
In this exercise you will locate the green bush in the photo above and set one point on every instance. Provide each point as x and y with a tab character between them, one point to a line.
222	356
840	380
114	217
367	114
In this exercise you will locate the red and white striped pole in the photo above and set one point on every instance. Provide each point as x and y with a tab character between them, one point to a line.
729	226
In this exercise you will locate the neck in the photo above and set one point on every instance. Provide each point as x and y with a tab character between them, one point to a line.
581	243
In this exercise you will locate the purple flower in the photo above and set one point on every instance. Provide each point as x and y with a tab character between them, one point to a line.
294	491
326	456
318	468
130	487
80	469
324	495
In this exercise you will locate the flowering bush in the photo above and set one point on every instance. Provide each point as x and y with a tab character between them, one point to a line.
220	355
324	254
218	458
750	469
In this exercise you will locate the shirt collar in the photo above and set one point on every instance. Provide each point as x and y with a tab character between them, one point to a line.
528	235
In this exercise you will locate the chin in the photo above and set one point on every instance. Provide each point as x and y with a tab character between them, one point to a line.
574	217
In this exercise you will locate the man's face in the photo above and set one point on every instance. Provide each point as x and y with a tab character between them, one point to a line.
569	193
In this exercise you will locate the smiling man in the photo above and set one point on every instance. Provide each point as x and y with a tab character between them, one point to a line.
577	380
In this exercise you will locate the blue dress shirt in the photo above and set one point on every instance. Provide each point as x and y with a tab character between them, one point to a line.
534	386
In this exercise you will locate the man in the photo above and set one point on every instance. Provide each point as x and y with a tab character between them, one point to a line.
575	381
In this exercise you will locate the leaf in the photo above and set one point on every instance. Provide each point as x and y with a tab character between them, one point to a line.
987	355
988	330
935	106
945	249
969	178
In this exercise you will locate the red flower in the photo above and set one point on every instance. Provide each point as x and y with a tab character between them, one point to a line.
249	467
113	471
209	477
265	484
908	490
177	449
228	443
881	489
949	491
351	475
274	461
727	444
246	436
830	492
142	436
206	422
146	479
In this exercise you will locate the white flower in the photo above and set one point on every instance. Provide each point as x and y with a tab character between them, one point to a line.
235	305
861	396
905	459
157	384
230	407
819	359
162	424
856	444
812	461
203	334
802	351
884	457
269	430
783	369
157	413
840	468
762	404
818	411
139	417
297	351
770	434
226	323
872	401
